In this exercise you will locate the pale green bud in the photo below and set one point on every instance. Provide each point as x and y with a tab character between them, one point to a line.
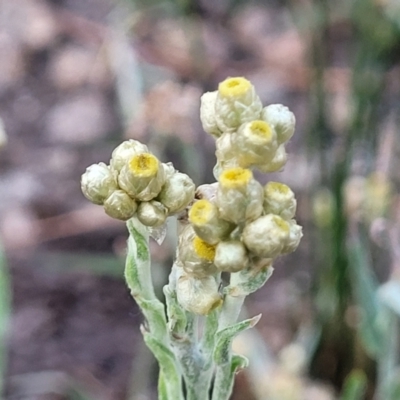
295	235
152	213
123	153
97	183
204	218
224	149
195	255
277	162
169	170
177	193
266	236
254	143
226	155
198	295
279	199
281	119
231	256
239	196
120	206
207	113
207	191
236	104
143	177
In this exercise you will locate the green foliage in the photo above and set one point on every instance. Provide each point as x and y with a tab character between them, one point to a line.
372	324
222	354
250	281
355	386
171	379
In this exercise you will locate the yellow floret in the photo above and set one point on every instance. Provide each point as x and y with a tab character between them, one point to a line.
281	223
201	212
273	187
144	165
234	87
235	178
261	128
203	249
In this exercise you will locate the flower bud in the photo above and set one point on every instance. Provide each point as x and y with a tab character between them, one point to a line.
279	199
195	255
224	150
207	191
124	152
152	213
207	113
277	162
120	206
97	183
281	119
231	256
177	193
143	177
266	236
236	103
169	170
204	218
226	155
295	234
239	196
199	296
254	143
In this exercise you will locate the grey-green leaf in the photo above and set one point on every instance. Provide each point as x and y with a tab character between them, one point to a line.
250	282
222	351
172	382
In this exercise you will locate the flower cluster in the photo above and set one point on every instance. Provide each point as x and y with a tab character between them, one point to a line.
137	184
236	222
247	135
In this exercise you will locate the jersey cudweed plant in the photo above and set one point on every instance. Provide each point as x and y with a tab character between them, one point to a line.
234	226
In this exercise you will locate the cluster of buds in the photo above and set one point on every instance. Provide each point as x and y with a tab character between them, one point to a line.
236	222
247	135
136	183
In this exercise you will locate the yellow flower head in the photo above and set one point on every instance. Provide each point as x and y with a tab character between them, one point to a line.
261	128
276	187
235	178
279	199
201	212
144	165
203	249
234	87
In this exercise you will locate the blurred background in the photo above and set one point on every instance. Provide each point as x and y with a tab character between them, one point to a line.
78	77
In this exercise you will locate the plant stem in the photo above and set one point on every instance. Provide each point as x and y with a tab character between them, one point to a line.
155	332
224	375
232	305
